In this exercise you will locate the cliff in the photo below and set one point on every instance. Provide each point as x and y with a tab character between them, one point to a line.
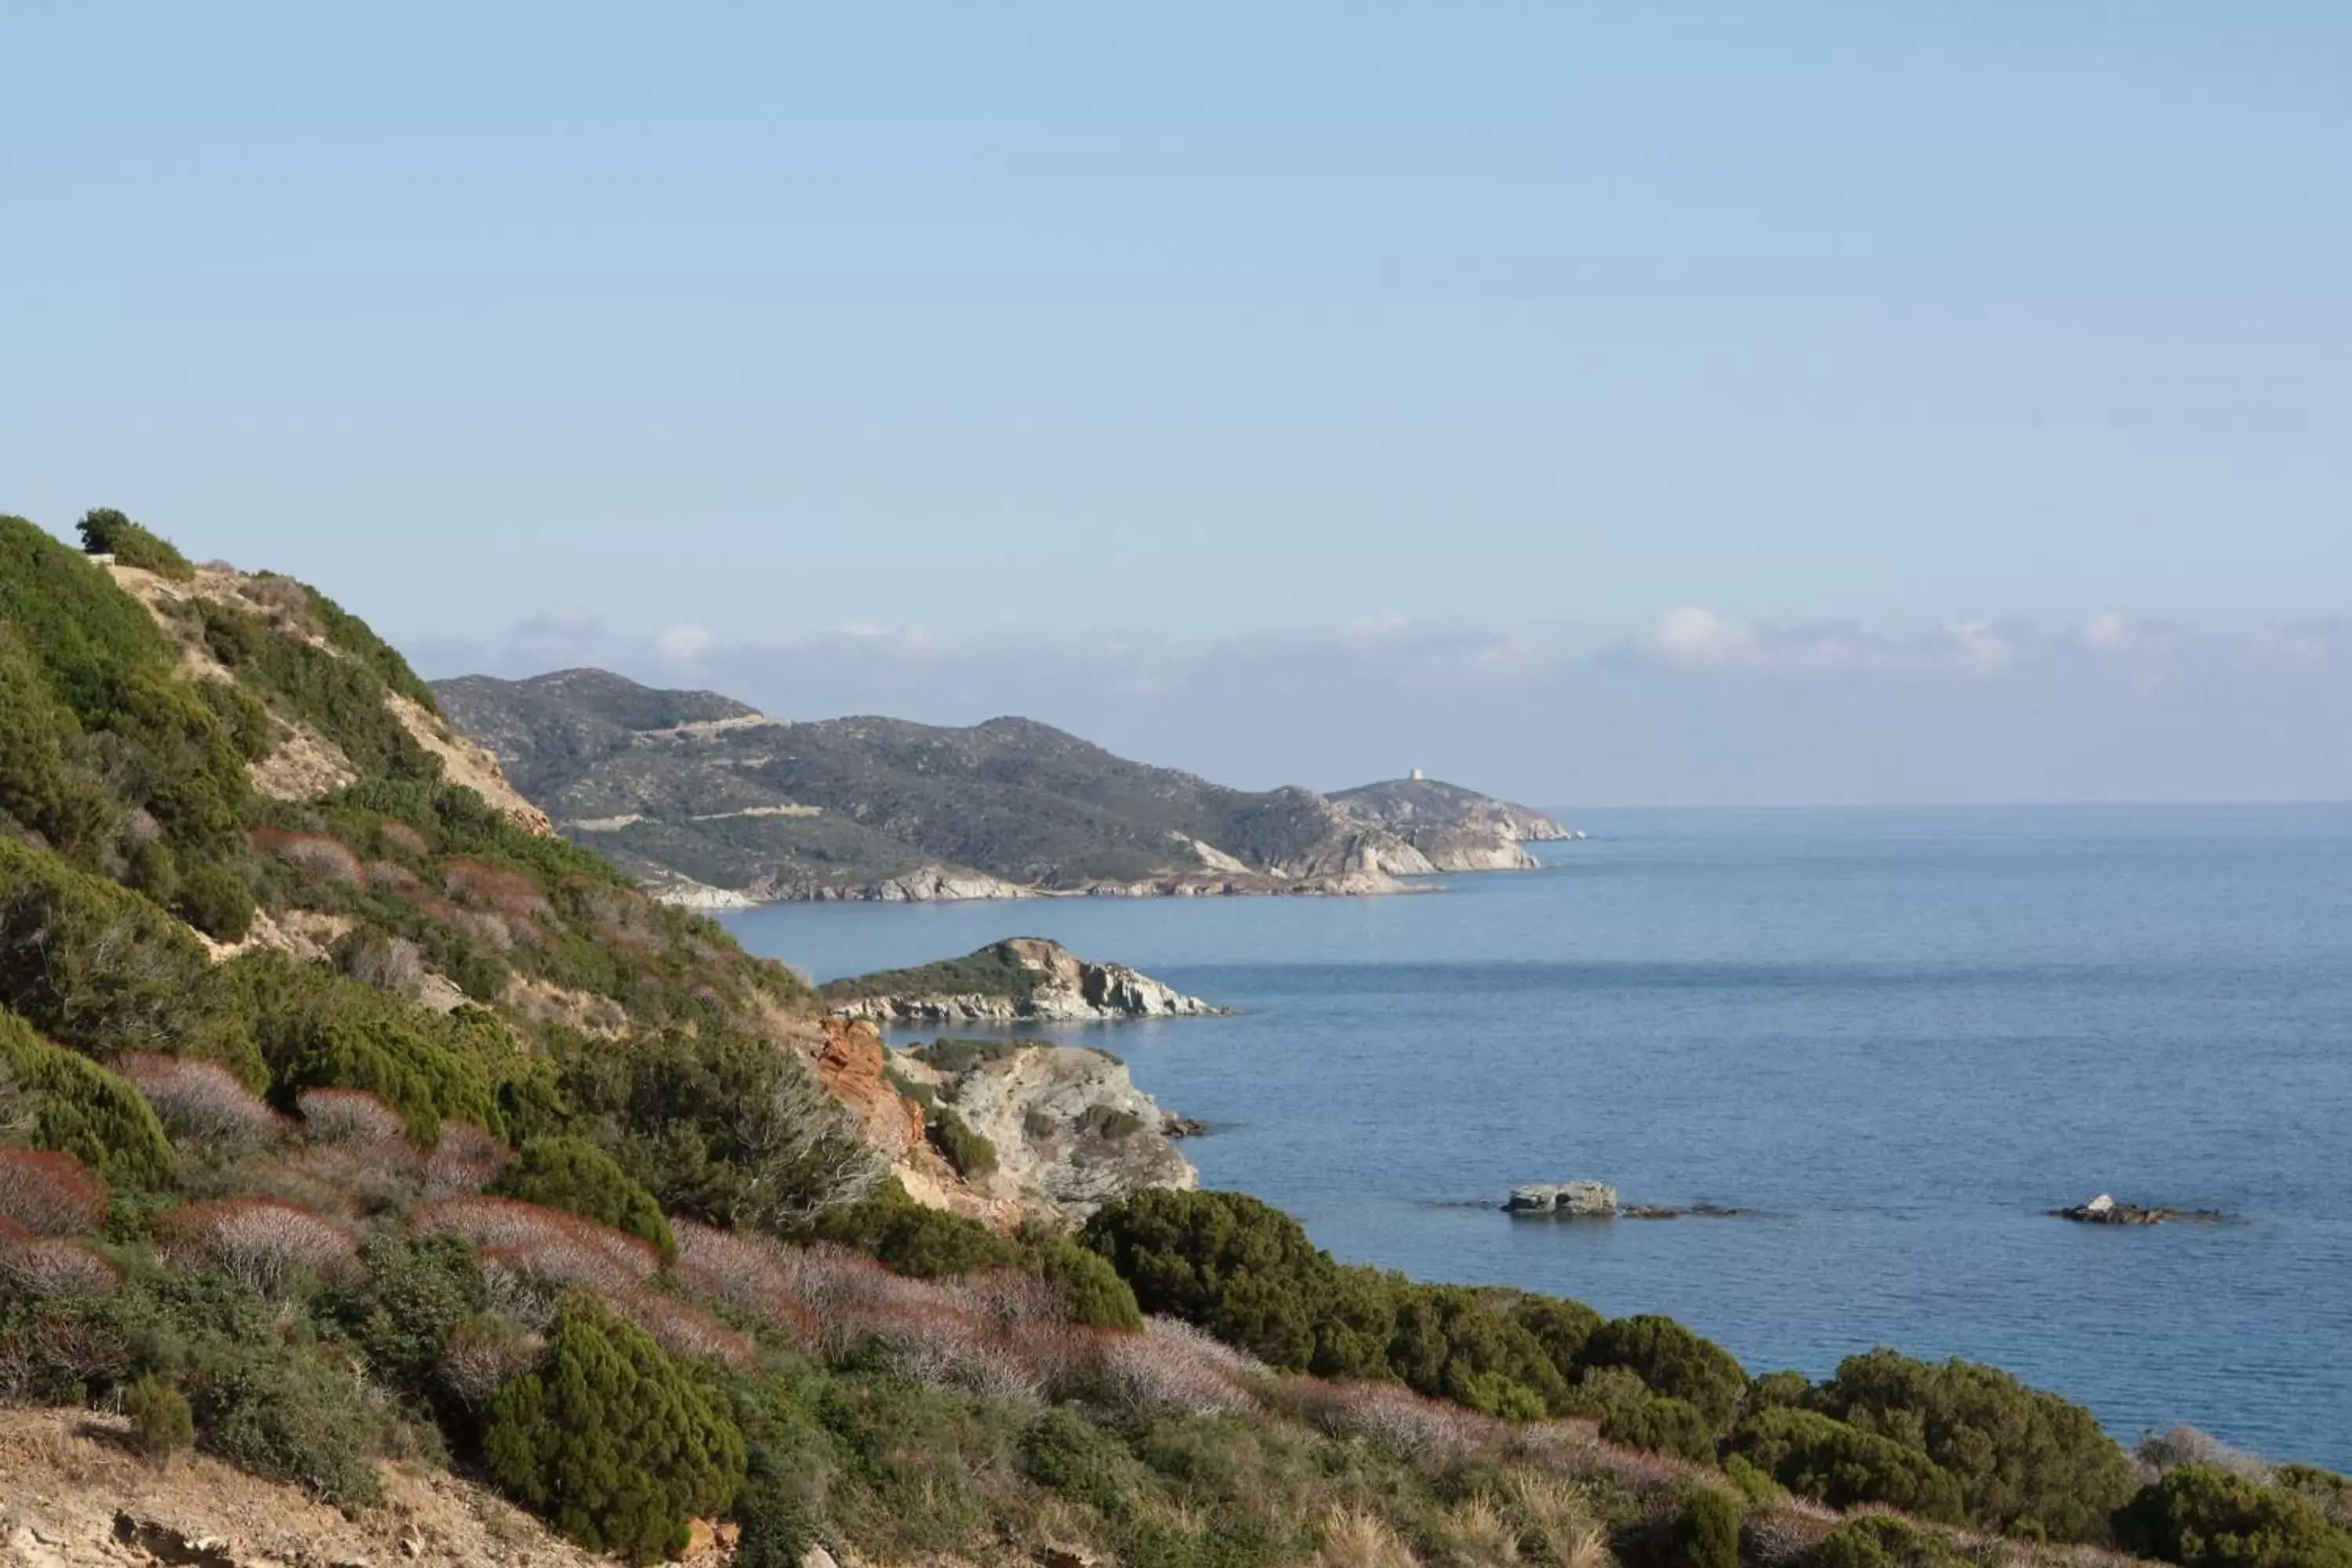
1067	1123
1020	979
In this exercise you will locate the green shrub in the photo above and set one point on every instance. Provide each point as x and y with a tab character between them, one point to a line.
971	1155
291	1412
1090	1289
609	1440
88	635
1706	1530
79	1107
1560	1326
1450	1343
215	900
1227	1262
2330	1492
2028	1462
1660	1425
1819	1458
573	1175
1776	1390
1674	1361
40	788
777	1527
90	963
356	637
105	531
341	699
1064	1452
416	1292
161	1422
920	1241
2201	1517
1108	1122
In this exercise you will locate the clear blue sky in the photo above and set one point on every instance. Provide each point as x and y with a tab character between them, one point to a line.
1526	321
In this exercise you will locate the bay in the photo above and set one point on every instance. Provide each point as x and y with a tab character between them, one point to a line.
1899	1035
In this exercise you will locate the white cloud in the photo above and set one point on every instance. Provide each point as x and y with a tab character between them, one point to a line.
683	644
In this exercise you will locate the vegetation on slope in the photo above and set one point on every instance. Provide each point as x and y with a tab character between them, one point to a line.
476	1154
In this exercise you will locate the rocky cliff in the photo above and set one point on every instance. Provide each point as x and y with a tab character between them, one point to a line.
1067	1123
1022	978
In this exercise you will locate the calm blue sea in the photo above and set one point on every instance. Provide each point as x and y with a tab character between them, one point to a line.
1902	1035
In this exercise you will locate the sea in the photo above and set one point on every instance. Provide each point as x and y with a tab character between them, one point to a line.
1899	1036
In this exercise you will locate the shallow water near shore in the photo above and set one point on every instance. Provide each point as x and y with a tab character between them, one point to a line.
1900	1034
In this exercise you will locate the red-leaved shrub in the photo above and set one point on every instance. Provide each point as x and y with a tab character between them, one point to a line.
51	1267
267	1243
546	1242
1174	1369
510	893
482	1354
199	1099
683	1329
50	1192
368	1175
1433	1431
323	856
746	1272
340	1115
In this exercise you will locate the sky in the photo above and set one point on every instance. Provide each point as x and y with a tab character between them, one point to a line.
1709	403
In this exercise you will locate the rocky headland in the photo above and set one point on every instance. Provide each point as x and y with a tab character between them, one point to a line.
713	804
1022	979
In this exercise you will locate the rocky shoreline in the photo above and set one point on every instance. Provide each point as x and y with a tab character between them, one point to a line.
2106	1209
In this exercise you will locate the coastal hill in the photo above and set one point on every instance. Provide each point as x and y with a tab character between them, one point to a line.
707	800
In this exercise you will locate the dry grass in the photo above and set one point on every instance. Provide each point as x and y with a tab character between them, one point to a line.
1359	1538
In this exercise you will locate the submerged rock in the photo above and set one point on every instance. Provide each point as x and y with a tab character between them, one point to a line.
2106	1209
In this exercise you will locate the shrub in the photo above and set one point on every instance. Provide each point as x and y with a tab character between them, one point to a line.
51	1268
749	1272
198	1098
2027	1461
1659	1425
1706	1530
1090	1289
161	1425
610	1441
683	1329
2201	1517
1819	1458
78	1107
267	1243
1450	1343
50	1192
1674	1361
348	1116
105	531
215	900
291	1412
483	1354
548	1242
464	1159
777	1528
573	1174
414	1294
1561	1327
923	1243
969	1152
1238	1267
1064	1452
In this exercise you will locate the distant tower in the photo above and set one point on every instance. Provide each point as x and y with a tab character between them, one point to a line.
1418	776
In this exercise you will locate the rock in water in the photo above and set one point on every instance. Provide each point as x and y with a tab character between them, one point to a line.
1580	1200
2106	1209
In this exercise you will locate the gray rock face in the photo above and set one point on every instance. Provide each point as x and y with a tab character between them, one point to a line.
1454	829
1579	1200
1068	1124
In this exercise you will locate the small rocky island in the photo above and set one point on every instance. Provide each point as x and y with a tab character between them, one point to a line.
1598	1200
1023	979
2106	1209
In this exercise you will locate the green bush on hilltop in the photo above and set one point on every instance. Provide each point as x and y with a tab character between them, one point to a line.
105	531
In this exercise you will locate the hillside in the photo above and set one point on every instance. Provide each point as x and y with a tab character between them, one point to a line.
1455	830
1020	978
692	792
367	1139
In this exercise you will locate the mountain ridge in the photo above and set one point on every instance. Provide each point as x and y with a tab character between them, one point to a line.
707	800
